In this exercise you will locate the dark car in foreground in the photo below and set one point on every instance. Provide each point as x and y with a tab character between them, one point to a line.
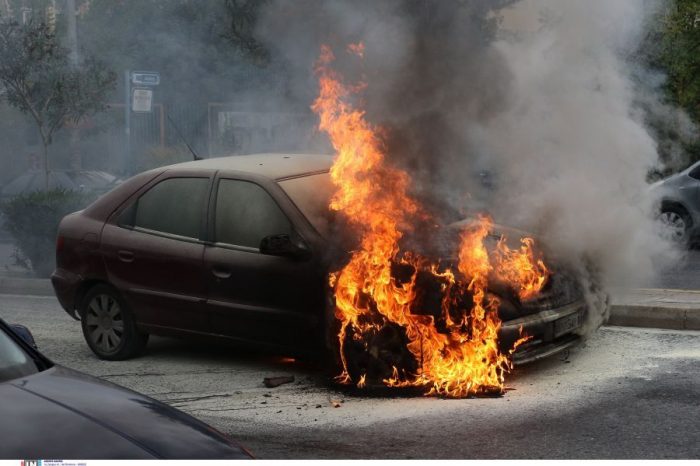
49	411
236	248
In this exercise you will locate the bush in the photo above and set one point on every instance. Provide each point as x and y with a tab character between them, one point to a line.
32	220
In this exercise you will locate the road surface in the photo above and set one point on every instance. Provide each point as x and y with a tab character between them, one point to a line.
685	275
627	393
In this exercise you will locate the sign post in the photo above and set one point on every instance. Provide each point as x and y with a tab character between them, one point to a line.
142	100
127	122
138	92
145	78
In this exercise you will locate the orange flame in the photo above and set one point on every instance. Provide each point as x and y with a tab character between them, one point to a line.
460	359
358	49
521	268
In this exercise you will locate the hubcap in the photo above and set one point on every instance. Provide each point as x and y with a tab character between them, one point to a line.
104	322
674	225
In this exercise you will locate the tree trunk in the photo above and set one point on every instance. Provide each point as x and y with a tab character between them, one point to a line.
46	164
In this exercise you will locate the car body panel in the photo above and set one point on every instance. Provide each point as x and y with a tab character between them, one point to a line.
682	189
263	297
61	413
161	278
258	297
130	423
40	428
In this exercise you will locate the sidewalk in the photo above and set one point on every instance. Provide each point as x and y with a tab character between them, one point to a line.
17	280
658	308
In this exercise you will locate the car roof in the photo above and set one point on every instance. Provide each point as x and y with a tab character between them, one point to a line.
275	166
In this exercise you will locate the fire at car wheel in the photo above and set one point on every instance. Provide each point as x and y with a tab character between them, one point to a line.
108	325
374	360
675	223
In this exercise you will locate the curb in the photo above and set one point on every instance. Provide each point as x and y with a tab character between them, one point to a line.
666	317
656	308
26	286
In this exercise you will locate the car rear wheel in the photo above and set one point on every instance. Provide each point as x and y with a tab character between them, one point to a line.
675	223
109	326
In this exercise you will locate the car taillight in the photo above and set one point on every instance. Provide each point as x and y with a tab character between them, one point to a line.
60	241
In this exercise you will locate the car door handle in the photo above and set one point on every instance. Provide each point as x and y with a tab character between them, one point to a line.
221	273
125	256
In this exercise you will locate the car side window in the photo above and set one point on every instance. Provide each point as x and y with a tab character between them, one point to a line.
246	213
173	206
695	173
14	362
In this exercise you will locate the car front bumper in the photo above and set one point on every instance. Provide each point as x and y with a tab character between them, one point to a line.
551	331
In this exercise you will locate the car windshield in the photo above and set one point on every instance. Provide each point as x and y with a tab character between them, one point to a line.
312	195
14	361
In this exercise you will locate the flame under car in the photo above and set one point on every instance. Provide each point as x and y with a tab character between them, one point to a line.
240	248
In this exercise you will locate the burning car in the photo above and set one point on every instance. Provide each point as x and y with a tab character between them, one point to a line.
240	248
288	249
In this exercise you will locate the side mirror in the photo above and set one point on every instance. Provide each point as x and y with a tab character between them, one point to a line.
24	333
283	245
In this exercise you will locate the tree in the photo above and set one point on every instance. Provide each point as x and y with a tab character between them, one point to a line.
680	54
40	81
667	63
187	41
243	17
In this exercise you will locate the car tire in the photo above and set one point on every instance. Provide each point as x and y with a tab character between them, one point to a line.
676	224
109	326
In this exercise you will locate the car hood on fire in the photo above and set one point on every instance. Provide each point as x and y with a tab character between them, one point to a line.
512	235
60	413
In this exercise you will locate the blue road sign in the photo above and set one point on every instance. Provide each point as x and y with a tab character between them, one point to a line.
145	78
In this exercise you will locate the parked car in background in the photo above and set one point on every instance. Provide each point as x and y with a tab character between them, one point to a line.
678	198
236	248
49	411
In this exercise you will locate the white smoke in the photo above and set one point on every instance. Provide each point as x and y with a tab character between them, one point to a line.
552	108
572	151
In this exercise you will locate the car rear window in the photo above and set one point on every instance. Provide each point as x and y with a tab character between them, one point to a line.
173	206
312	195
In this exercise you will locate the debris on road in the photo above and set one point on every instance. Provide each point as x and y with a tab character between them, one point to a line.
272	382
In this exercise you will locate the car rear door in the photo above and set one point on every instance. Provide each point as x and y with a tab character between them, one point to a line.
250	295
153	249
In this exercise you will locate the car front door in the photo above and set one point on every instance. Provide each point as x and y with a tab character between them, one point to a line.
254	296
153	253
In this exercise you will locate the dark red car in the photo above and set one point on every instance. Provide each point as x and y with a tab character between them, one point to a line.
238	248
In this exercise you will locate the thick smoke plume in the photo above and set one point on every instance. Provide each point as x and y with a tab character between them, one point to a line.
573	146
526	109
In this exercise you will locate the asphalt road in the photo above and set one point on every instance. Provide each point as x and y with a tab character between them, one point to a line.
626	393
685	275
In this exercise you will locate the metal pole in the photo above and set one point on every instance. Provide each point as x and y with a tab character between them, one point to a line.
127	122
72	32
162	125
72	39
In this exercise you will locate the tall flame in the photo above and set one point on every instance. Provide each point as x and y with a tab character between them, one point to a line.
457	353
